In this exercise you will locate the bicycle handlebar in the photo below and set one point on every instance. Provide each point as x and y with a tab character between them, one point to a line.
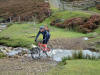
40	41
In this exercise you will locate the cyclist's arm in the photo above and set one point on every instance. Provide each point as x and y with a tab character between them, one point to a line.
37	36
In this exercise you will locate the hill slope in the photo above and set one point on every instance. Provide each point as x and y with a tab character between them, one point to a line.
25	9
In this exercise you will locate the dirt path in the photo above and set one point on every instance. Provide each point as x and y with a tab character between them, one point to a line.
12	66
69	43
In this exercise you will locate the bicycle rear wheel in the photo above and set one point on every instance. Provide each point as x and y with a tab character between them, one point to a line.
35	53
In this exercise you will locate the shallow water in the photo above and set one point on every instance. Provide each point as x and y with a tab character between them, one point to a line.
58	54
2	26
55	54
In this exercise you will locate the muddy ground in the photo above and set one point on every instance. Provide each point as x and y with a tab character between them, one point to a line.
69	43
24	66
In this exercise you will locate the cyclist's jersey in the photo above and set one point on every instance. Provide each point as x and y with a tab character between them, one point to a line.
45	34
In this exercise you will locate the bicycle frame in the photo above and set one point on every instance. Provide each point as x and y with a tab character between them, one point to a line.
43	47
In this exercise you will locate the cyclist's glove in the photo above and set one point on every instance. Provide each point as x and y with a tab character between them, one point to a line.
35	40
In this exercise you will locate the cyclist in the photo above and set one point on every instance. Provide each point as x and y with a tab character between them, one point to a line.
44	30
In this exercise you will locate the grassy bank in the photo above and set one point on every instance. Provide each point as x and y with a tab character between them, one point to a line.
21	34
66	15
77	67
94	9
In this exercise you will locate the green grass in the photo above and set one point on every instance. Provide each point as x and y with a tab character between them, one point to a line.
98	30
66	15
21	34
77	67
69	14
94	9
17	35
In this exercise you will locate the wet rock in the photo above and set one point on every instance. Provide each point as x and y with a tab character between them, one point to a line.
18	68
25	55
98	43
13	52
3	51
16	56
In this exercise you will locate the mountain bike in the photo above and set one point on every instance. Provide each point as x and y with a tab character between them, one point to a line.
36	51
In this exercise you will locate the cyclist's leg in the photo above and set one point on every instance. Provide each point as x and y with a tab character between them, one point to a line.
46	40
45	44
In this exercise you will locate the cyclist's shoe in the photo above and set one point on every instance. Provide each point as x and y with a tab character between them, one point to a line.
48	49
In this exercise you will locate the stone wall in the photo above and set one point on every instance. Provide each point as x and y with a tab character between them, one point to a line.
77	5
54	3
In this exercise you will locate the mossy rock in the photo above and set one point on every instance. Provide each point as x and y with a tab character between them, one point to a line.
2	55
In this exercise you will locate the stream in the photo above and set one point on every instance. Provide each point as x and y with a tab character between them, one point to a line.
55	54
2	26
58	54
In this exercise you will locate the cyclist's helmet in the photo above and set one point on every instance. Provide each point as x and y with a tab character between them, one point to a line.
42	27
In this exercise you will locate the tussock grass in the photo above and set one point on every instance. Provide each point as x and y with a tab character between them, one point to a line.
77	67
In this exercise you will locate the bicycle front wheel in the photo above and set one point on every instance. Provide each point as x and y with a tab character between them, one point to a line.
35	53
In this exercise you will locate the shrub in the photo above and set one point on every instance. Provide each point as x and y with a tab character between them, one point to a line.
79	24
